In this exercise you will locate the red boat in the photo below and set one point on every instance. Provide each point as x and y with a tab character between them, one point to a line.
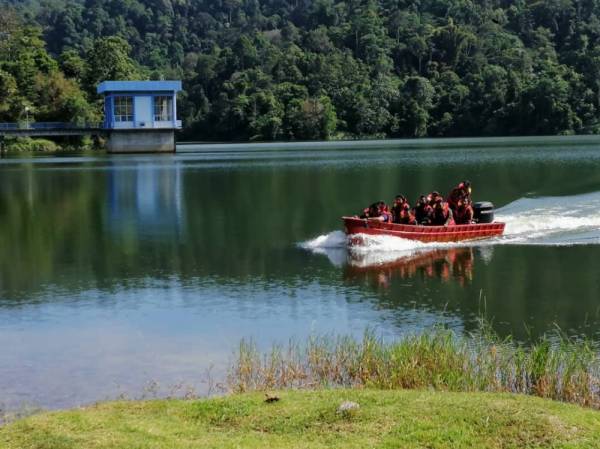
451	233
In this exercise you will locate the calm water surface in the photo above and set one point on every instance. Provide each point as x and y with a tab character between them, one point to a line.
119	272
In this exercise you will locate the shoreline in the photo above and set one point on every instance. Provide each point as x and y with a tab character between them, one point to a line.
425	142
438	359
51	147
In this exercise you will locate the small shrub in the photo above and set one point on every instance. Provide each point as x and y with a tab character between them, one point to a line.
29	145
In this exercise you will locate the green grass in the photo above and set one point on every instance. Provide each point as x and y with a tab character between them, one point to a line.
309	419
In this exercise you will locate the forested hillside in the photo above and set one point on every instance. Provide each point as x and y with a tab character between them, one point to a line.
318	69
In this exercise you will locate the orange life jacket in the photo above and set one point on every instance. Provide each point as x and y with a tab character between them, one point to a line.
440	217
406	217
463	215
458	193
422	213
397	211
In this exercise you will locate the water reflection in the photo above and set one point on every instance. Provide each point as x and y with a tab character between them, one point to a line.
147	199
121	270
447	265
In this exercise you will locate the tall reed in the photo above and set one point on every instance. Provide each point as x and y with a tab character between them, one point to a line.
553	367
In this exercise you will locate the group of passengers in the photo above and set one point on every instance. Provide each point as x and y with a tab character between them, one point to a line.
431	210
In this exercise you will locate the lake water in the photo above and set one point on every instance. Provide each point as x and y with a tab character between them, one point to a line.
128	274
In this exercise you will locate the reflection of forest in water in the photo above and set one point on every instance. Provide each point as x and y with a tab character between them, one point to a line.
113	223
71	228
522	290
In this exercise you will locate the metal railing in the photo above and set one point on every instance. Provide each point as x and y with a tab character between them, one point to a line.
48	126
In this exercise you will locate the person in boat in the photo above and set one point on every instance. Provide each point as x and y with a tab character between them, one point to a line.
462	192
441	214
399	202
433	197
422	210
370	212
405	216
463	213
384	212
378	211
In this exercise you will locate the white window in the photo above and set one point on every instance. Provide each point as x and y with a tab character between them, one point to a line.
124	109
163	109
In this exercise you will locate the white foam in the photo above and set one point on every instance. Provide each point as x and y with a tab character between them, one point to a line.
333	245
550	221
565	220
335	239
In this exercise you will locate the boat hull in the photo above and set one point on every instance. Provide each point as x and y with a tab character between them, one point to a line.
451	233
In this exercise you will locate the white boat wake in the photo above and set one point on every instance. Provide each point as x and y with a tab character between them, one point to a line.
547	221
562	220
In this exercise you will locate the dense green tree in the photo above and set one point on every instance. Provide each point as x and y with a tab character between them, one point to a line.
31	83
417	96
73	65
312	118
298	69
109	60
8	94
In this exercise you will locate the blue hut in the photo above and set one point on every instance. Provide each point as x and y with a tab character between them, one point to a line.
140	116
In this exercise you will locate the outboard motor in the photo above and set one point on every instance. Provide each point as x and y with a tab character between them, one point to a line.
483	212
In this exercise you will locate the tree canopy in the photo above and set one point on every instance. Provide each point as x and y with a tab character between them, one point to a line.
317	69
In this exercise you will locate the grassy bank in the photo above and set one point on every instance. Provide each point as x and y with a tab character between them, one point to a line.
309	419
433	390
554	367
